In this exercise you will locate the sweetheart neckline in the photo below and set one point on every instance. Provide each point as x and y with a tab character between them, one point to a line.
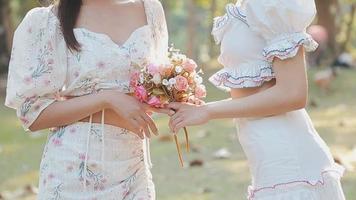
109	38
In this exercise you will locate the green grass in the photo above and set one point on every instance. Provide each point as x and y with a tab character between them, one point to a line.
334	118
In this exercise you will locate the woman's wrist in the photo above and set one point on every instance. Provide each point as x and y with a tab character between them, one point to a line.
209	110
104	99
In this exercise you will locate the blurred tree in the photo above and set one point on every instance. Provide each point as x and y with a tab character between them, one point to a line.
349	27
6	30
332	15
191	29
327	10
213	9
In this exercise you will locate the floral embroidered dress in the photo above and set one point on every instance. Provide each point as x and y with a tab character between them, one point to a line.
84	160
288	160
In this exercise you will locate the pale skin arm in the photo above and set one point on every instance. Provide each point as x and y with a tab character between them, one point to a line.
62	113
288	94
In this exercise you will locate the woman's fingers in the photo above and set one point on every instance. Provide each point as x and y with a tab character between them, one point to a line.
178	126
137	129
175	119
150	123
174	106
166	111
143	126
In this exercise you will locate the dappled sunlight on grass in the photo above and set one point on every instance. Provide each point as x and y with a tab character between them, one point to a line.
9	149
14	182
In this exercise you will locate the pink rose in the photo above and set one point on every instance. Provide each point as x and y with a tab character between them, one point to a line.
200	91
141	93
154	101
57	142
189	65
153	69
181	83
50	61
134	79
82	156
28	79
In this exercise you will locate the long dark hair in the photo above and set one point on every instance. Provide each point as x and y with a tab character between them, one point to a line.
68	12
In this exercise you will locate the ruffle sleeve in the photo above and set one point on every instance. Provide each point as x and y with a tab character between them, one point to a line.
37	69
282	23
245	75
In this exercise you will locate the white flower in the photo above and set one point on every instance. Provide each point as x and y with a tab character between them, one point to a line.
142	78
198	79
165	82
179	69
178	57
172	81
181	57
156	79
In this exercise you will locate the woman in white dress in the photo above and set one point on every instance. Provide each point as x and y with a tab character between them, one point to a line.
70	68
262	50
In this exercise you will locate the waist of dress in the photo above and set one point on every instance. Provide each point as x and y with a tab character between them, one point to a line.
282	148
111	117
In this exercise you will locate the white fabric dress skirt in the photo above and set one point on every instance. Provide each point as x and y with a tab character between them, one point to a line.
288	160
78	164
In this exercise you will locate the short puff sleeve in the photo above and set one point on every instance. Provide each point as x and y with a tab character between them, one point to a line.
37	69
282	23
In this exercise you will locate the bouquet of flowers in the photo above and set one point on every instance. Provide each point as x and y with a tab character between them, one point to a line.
178	80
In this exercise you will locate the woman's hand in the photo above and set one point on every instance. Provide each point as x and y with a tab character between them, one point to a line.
134	111
187	115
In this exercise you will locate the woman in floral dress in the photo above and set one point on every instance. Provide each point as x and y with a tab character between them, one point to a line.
70	69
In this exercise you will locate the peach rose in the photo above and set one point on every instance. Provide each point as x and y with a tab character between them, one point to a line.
189	65
181	83
200	91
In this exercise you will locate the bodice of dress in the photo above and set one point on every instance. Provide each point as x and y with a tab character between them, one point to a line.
42	69
103	64
252	33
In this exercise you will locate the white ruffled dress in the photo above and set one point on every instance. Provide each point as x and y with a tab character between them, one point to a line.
84	160
288	160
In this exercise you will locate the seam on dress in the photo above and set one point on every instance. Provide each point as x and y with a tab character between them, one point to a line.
252	192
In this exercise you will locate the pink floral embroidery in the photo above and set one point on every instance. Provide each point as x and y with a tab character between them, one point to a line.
76	74
70	168
24	120
37	107
50	176
28	80
46	82
100	65
72	130
82	156
57	142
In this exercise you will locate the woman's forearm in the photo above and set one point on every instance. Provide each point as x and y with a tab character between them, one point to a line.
62	113
273	101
